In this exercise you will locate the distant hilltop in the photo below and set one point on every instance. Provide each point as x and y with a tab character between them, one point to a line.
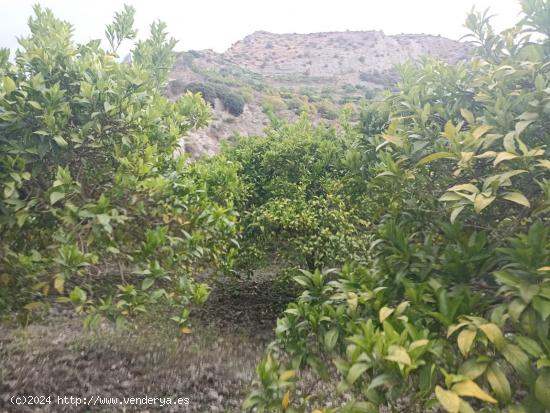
337	53
290	72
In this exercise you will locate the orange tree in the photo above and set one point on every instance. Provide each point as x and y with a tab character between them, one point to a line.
95	208
452	307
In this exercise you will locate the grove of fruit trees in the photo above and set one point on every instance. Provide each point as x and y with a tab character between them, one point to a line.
418	239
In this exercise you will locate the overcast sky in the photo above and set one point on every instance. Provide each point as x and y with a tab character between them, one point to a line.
216	24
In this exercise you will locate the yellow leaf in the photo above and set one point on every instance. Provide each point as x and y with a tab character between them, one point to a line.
464	187
400	309
520	126
286	400
518	198
469	388
466	156
449	400
418	343
465	340
396	140
287	374
493	333
503	156
467	115
59	283
185	330
455	213
399	355
450	130
480	131
541	269
488	154
384	313
481	202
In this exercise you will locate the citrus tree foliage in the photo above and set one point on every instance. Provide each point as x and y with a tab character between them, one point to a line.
452	308
295	202
95	208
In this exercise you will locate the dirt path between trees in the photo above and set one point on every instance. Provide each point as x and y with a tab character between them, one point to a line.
213	366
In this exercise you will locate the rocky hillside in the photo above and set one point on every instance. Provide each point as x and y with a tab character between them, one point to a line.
285	74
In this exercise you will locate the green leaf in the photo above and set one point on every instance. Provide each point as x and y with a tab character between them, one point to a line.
542	388
355	372
60	141
498	382
518	198
449	400
103	219
529	345
508	278
542	306
331	337
78	295
56	196
472	368
147	282
9	85
519	360
107	106
381	380
35	104
436	156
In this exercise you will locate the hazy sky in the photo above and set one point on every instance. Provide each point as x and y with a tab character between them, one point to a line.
216	24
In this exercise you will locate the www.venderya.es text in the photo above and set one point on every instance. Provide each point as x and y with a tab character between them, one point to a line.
98	400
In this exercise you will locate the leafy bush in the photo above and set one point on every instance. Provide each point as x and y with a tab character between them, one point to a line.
273	103
327	109
96	210
451	306
176	87
294	202
232	102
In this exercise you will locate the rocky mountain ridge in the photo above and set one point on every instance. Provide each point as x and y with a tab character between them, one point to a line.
285	74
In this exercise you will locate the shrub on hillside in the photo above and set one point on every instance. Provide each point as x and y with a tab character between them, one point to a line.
327	109
232	101
274	103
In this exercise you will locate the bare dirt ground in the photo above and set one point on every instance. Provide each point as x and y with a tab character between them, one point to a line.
213	366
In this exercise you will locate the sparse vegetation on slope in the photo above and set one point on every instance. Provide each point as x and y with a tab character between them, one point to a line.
417	239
